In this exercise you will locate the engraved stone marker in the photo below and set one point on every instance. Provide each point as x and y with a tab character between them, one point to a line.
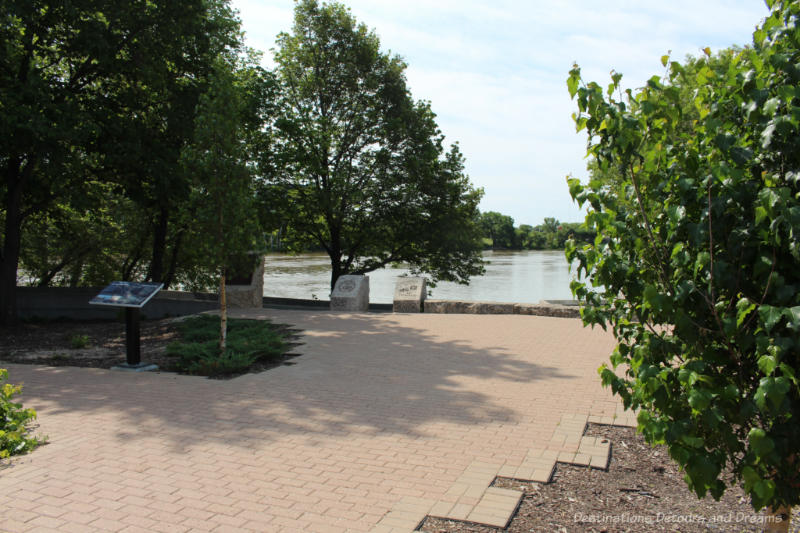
409	295
250	295
351	293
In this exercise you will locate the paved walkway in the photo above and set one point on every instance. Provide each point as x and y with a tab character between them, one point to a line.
382	418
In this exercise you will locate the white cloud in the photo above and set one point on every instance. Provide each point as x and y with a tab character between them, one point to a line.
495	73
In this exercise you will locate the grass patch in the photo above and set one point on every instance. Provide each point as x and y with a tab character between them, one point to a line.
248	343
78	341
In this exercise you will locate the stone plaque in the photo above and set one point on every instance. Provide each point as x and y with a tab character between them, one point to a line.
248	296
351	293
409	295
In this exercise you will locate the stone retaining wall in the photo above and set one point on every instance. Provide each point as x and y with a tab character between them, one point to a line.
496	308
61	302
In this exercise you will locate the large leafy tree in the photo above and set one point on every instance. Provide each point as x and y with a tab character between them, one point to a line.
696	266
85	239
363	170
153	119
96	90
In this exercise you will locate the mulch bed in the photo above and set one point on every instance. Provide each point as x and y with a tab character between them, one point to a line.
50	343
642	491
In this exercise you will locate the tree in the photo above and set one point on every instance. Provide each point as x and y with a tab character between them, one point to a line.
89	238
84	85
696	266
154	119
226	222
362	167
499	228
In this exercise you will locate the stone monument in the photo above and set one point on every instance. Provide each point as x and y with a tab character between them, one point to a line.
409	295
250	295
351	293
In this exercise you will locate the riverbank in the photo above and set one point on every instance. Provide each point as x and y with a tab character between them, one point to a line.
53	303
511	276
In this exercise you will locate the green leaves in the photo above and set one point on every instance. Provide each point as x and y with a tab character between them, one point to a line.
771	393
695	196
699	399
364	168
15	421
573	81
769	316
760	443
743	309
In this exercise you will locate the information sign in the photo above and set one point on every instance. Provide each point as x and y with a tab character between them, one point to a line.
126	294
132	296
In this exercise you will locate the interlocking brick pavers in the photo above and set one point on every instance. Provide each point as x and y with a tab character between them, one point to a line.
472	499
379	410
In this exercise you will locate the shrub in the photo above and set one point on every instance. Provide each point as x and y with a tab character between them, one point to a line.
249	341
696	267
14	421
78	341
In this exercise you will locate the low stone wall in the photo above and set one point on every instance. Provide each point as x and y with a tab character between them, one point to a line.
497	308
73	303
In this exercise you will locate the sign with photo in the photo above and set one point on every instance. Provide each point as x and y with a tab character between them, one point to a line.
126	294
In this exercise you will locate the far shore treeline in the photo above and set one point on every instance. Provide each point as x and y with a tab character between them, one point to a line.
498	232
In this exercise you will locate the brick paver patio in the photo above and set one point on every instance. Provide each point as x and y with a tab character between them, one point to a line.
384	418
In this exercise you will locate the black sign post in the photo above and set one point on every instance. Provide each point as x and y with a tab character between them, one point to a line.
132	297
132	337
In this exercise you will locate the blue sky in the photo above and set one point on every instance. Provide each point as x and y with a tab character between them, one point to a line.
495	73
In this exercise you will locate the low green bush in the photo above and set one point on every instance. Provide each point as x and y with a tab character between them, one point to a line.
78	341
248	342
15	438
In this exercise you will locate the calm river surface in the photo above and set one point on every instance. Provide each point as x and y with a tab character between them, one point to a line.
520	277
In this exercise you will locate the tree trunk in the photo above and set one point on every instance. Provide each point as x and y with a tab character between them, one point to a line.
133	258
777	520
159	245
336	268
223	302
45	280
9	255
169	277
75	272
8	270
223	314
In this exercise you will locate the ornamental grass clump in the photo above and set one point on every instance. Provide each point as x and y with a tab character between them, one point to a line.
15	421
248	342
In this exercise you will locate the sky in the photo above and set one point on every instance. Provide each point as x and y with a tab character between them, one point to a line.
495	73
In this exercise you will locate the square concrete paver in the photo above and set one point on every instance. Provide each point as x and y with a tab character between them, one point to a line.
378	419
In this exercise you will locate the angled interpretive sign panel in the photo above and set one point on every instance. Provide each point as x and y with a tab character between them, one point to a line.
126	294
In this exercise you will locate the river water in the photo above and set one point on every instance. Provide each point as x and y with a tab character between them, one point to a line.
511	276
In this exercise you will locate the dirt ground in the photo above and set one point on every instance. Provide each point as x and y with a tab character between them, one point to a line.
642	491
51	343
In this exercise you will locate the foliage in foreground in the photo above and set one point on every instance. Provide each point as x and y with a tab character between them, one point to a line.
248	341
15	421
696	267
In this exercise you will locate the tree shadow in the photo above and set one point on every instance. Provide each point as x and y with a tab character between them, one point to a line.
356	375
